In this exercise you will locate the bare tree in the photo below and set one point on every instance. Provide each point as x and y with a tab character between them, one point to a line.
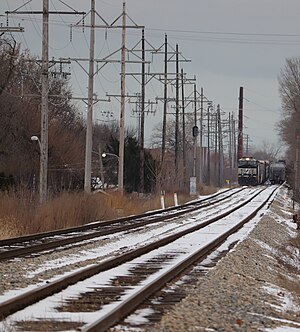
9	52
268	151
289	125
289	89
20	119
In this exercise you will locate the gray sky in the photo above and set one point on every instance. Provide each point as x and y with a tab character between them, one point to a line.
231	43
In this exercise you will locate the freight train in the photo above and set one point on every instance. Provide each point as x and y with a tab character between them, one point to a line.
277	172
252	172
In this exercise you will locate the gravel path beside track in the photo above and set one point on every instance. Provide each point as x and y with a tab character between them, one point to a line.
254	288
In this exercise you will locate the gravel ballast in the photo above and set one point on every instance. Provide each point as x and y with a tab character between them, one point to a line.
254	288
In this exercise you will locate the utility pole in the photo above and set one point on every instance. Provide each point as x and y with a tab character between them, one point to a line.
177	115
122	111
123	89
230	142
166	81
235	158
215	118
44	106
45	93
195	131
209	107
89	120
220	173
296	169
183	129
240	132
142	152
201	137
163	145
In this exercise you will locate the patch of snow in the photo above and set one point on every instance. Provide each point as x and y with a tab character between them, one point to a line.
283	296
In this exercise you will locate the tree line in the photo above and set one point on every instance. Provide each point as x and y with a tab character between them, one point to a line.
20	119
289	124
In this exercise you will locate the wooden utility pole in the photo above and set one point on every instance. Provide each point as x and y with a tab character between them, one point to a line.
164	129
45	91
122	111
89	120
177	114
230	142
240	130
123	61
183	129
142	152
296	169
44	105
208	143
195	132
220	148
201	138
235	159
215	117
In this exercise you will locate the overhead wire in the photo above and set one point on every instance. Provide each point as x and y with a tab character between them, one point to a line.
262	107
212	36
229	38
226	33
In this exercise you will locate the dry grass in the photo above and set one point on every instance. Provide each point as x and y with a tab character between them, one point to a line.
21	216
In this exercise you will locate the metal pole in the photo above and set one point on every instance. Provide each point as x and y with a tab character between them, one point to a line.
44	106
122	112
89	120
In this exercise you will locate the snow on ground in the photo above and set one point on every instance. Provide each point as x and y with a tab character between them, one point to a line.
181	247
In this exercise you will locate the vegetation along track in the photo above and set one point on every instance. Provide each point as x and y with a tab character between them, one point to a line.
32	244
147	270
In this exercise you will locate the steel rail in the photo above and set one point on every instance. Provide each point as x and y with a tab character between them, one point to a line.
93	225
127	306
28	298
55	243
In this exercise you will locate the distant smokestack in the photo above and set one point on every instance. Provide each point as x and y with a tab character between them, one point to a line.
240	132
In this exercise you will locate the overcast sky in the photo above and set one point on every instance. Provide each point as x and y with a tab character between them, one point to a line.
230	43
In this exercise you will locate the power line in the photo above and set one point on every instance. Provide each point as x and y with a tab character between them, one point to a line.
225	33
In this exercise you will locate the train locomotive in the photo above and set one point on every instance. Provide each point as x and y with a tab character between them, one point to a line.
252	172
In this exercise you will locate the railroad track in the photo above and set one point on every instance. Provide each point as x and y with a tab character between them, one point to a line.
112	289
38	243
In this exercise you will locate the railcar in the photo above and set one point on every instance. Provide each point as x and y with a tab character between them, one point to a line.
252	172
277	172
